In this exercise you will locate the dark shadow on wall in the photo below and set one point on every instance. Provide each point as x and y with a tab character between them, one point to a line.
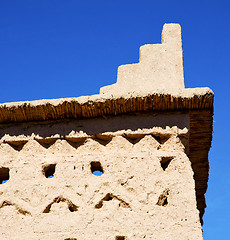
97	125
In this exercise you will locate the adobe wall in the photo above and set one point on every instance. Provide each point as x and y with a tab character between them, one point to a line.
147	134
146	191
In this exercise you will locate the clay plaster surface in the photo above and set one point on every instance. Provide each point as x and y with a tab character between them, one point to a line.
138	196
138	132
160	66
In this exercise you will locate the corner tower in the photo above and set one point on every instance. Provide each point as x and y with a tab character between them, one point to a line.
146	135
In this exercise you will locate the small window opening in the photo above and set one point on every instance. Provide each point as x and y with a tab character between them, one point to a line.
120	237
70	239
165	161
49	170
4	175
96	168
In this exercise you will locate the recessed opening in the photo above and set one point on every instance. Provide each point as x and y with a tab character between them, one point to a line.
46	142
4	175
161	138
102	139
165	203
70	239
163	198
72	207
165	161
120	237
96	168
49	170
16	145
108	197
75	143
133	138
16	207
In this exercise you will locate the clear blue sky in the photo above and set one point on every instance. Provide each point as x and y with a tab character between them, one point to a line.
69	48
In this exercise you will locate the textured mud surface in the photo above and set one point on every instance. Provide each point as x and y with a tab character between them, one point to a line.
146	191
146	136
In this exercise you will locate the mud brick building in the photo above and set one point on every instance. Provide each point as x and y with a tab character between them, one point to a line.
147	137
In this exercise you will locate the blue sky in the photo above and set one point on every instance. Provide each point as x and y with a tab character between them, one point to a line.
54	49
